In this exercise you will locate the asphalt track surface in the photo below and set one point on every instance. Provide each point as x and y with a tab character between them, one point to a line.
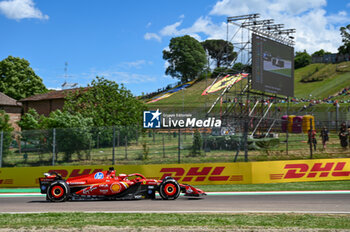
215	203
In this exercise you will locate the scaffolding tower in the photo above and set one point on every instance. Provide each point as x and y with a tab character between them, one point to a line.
242	109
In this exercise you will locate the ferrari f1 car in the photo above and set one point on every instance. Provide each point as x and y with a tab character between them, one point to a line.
108	185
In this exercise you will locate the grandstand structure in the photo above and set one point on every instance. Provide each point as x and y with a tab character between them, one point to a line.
246	110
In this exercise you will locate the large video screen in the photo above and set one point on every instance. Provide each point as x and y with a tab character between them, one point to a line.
273	66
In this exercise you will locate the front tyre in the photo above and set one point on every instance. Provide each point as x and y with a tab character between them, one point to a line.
58	192
169	189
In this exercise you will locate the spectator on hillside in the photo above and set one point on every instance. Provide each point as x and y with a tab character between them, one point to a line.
343	136
343	127
312	138
349	135
324	136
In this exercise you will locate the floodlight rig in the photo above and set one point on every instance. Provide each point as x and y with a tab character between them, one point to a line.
243	17
264	27
286	31
257	23
273	27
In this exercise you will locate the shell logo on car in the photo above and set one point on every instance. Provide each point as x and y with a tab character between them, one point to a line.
116	188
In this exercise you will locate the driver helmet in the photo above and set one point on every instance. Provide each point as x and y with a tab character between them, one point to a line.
111	172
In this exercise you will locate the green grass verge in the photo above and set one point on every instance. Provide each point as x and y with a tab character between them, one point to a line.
81	220
296	186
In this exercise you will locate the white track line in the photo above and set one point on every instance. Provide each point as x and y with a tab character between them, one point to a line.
277	193
190	212
21	194
215	193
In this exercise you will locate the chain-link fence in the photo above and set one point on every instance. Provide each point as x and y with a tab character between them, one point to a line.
134	145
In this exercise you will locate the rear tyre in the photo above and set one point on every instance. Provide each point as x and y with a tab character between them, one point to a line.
169	189
58	192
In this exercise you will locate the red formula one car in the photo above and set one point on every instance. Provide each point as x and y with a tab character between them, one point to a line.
106	185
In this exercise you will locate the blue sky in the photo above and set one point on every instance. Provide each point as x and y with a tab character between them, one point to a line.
123	40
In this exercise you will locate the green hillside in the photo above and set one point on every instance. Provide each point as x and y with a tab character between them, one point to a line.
189	99
332	79
323	80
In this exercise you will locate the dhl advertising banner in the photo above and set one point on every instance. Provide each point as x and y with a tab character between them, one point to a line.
198	174
194	174
300	170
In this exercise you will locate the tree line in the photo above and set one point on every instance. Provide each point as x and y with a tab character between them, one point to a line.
303	58
187	57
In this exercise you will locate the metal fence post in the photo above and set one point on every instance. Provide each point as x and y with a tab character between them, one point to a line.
98	140
204	136
163	145
245	140
90	149
287	135
126	147
118	138
1	147
154	136
336	116
310	137
179	148
53	146
137	135
113	151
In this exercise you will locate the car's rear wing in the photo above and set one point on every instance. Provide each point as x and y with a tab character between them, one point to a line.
47	180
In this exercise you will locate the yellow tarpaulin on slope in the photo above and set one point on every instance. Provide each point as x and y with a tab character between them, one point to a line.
224	82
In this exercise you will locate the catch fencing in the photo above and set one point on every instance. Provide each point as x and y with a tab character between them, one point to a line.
134	145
